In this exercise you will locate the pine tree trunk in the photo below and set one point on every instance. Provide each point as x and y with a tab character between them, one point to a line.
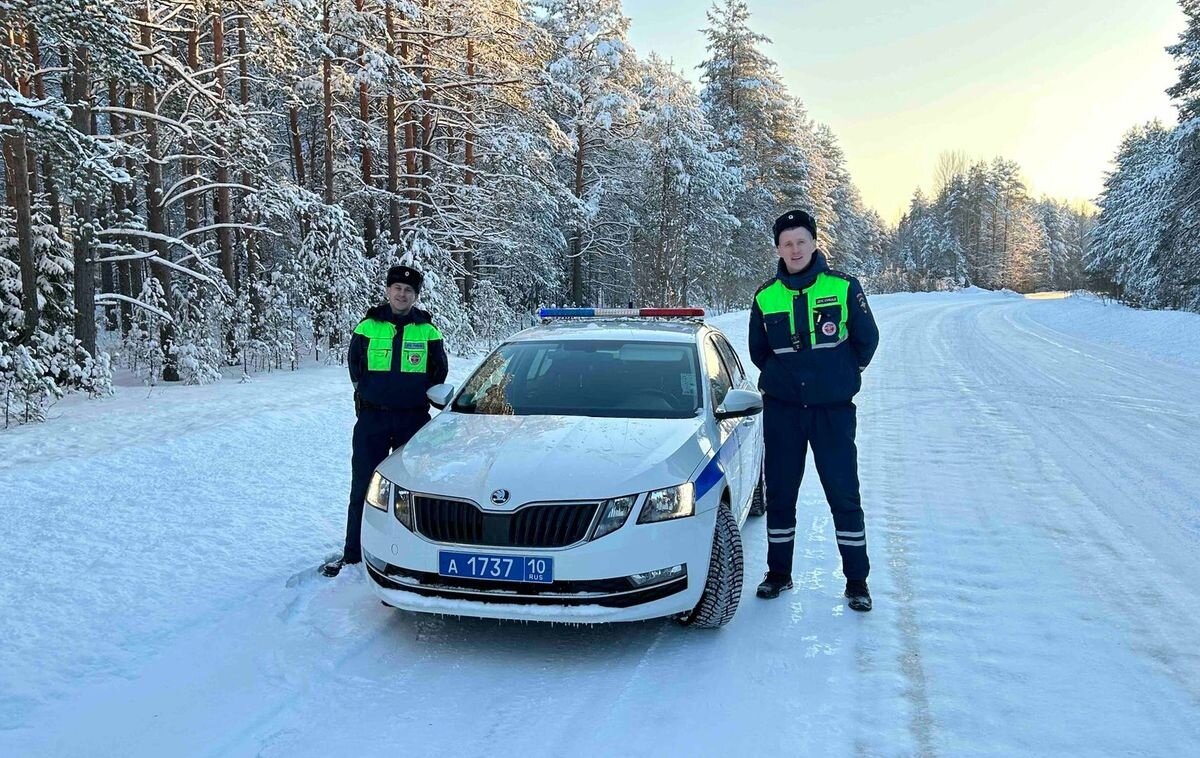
297	147
191	167
85	283
663	232
16	185
410	143
39	88
393	157
426	121
136	269
469	264
155	215
327	86
577	238
253	266
115	126
312	148
370	229
17	181
224	213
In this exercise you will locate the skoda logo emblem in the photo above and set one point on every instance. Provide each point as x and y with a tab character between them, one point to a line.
499	497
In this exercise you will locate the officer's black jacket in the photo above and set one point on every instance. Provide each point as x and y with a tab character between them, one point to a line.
396	388
807	376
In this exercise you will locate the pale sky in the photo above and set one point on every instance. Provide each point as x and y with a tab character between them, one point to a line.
1051	84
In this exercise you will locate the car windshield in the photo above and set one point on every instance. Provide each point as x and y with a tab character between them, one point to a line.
607	378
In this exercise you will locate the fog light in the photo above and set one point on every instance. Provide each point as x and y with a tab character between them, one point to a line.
658	576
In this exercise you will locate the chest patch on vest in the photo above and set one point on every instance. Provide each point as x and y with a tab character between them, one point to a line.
414	345
414	359
827	300
829	328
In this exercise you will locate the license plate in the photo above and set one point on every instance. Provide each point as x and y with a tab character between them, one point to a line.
499	568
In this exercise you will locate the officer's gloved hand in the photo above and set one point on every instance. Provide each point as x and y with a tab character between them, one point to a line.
357	405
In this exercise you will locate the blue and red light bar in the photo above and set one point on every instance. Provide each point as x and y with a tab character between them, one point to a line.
619	312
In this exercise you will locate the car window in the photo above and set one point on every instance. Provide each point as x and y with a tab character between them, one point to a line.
719	381
732	361
576	377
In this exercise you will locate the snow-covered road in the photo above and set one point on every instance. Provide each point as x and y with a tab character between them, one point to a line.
1033	507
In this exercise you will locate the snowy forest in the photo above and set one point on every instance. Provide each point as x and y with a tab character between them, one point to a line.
195	187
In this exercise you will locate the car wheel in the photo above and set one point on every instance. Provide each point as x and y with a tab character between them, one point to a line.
723	586
758	502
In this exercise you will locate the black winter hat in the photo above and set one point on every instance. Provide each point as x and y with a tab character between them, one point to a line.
406	275
794	220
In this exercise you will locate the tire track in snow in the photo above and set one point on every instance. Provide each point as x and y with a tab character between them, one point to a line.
1112	453
1041	448
887	424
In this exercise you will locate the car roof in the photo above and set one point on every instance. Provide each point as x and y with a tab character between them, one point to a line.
622	330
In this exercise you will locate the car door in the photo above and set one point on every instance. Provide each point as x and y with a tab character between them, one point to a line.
720	382
749	432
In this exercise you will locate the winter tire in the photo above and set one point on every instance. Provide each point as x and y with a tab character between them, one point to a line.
723	586
758	502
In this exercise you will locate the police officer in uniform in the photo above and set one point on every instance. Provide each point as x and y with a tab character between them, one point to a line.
396	354
811	336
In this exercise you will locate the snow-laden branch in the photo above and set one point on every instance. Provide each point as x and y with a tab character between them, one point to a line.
185	180
186	78
112	297
159	27
178	126
50	70
120	232
184	157
230	225
124	256
180	7
185	270
194	190
139	50
474	83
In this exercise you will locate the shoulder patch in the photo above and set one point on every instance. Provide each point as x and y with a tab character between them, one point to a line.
764	285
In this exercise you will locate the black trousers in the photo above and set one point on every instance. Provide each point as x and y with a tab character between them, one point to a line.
377	433
788	432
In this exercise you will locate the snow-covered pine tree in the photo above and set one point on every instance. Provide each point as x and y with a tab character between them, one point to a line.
1179	270
589	97
754	118
1136	214
685	187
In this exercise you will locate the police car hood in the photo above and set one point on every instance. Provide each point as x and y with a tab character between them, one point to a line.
539	458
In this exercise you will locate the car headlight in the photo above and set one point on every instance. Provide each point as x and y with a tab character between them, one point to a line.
671	503
382	493
613	515
379	492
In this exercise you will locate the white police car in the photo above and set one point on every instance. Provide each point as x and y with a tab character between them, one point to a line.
595	468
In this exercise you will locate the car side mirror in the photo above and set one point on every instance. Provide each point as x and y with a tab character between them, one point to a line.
439	395
738	404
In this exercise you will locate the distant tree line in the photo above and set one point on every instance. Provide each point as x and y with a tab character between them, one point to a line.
197	185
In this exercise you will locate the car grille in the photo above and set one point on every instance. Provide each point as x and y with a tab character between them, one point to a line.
463	523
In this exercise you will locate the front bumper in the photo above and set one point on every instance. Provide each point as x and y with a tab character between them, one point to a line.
590	584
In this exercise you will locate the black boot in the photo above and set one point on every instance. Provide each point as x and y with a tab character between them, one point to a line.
334	567
858	594
773	584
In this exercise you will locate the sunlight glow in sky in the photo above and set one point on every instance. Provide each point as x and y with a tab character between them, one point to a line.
1051	85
